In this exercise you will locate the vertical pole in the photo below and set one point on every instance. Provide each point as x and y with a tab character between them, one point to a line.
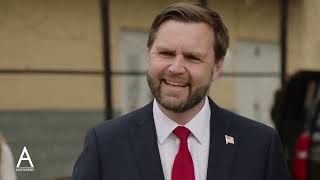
106	58
283	39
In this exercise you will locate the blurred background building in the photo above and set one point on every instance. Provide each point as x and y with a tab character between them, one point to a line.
53	66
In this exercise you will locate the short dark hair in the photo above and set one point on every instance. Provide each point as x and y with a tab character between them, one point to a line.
193	13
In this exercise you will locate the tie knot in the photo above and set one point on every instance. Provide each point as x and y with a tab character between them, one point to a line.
182	133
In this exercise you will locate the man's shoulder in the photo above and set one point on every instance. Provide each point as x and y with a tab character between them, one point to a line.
238	123
123	123
246	126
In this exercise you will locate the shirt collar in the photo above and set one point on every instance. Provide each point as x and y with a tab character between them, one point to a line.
199	125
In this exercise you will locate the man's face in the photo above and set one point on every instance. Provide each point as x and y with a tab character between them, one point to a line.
181	64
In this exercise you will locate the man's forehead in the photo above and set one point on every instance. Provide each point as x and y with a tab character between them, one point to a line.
175	31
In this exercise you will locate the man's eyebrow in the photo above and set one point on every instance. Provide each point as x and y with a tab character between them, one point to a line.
160	48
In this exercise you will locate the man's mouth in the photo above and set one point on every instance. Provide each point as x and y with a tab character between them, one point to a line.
175	83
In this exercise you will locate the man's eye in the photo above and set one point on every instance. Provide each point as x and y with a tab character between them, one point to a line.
167	54
193	58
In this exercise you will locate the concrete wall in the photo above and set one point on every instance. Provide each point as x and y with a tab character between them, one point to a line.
50	113
253	20
303	39
50	35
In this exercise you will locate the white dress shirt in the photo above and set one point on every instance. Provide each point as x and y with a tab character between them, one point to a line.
198	140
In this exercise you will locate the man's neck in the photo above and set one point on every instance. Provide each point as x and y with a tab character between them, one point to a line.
183	117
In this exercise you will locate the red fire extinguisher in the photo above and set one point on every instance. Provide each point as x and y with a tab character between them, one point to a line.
300	161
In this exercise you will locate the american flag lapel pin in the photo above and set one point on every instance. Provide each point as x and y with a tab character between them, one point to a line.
229	139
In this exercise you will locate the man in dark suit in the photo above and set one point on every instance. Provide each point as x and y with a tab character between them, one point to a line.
182	134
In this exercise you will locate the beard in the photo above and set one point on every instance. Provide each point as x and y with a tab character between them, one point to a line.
185	103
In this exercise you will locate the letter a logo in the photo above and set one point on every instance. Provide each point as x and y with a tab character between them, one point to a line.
23	158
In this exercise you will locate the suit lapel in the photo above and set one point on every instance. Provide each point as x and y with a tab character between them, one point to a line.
221	154
145	147
144	143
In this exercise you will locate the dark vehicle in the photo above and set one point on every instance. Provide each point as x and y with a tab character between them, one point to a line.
306	163
314	152
296	115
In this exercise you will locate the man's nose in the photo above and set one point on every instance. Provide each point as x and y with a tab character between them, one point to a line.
177	65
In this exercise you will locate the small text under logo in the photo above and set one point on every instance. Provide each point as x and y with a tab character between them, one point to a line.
25	157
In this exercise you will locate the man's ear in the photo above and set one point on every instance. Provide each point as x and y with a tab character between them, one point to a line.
217	69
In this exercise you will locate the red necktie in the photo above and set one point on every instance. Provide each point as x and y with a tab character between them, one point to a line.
183	165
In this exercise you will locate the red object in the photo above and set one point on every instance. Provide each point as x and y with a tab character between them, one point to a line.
300	161
183	165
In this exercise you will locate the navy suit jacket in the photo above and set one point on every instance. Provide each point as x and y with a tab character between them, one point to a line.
126	149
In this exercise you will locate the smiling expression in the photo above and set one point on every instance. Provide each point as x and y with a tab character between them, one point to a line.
181	64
